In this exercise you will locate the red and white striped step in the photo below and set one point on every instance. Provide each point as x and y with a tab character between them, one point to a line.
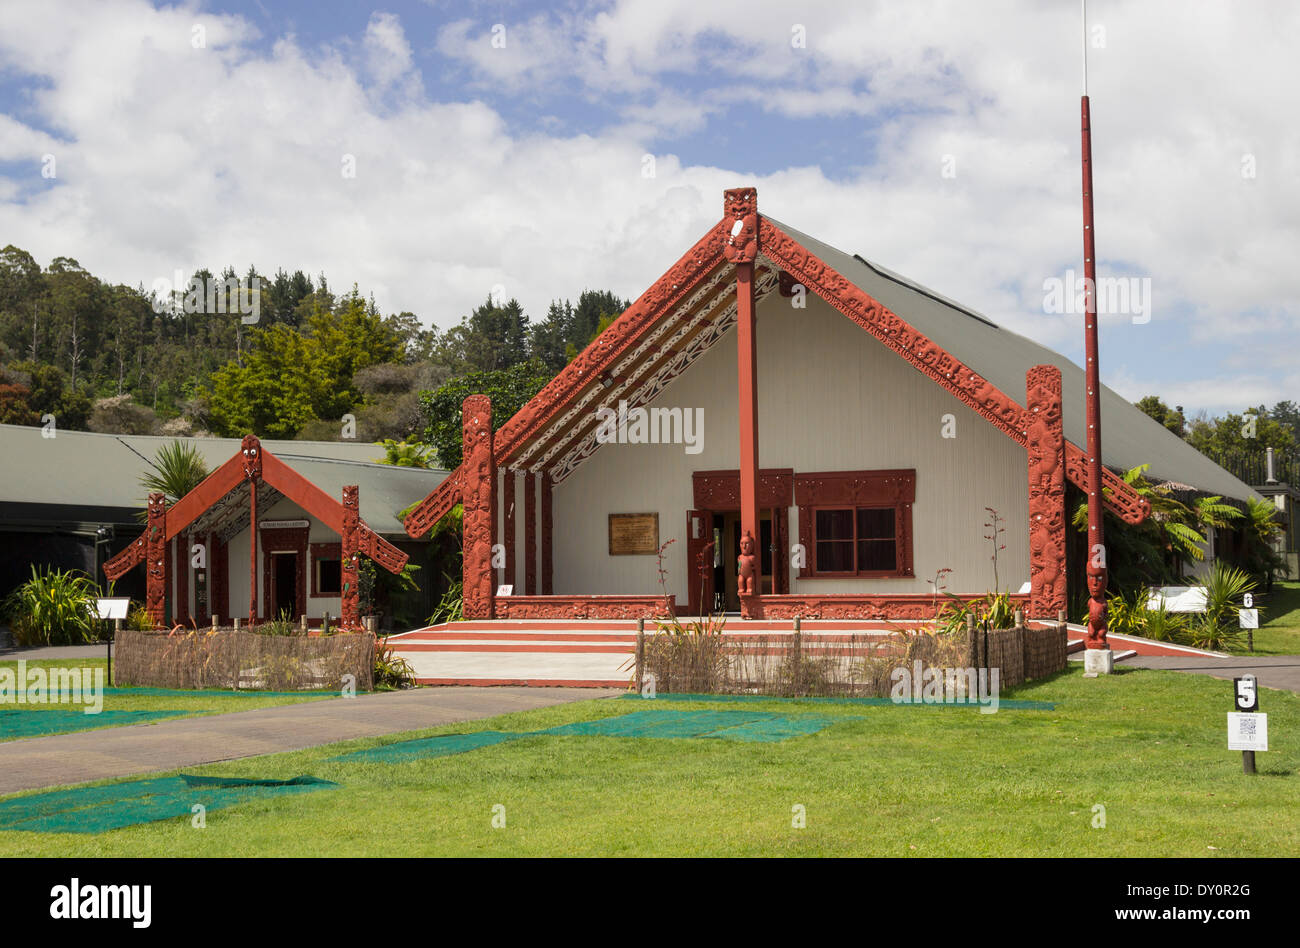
569	653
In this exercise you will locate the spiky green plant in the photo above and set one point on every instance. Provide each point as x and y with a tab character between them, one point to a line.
178	468
1217	628
54	607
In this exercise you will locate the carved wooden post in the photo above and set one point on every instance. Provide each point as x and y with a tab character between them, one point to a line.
508	502
478	494
530	534
548	569
740	205
155	601
1046	449
350	560
251	449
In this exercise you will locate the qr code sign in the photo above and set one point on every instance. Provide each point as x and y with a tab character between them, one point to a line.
1247	731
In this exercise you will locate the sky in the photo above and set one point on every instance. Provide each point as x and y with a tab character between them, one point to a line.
437	153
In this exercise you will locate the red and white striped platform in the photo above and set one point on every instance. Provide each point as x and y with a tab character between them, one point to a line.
572	653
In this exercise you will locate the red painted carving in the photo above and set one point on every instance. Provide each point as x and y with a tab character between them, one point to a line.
1046	451
478	493
746	565
740	215
508	504
586	607
720	490
548	527
432	509
915	607
611	345
133	553
1122	500
350	560
251	449
155	597
530	534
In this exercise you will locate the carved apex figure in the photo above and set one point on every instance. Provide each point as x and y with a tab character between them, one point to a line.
746	565
740	214
251	449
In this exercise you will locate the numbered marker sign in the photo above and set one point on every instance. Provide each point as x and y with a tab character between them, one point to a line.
1247	732
1247	697
1249	618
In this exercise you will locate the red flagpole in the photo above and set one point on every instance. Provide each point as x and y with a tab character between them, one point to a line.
1096	637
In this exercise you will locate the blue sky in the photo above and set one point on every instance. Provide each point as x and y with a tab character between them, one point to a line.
937	138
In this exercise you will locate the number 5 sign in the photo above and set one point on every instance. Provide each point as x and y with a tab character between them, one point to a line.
1247	695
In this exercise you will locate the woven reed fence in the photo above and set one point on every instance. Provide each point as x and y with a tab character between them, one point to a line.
793	664
235	659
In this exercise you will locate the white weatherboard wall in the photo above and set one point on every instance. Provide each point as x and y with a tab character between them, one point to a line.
238	552
831	398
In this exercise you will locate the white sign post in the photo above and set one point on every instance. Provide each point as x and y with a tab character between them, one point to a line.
1247	726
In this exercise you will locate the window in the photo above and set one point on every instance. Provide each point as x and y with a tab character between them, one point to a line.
856	523
329	577
326	570
857	540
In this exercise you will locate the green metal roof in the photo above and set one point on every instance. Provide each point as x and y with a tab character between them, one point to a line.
90	470
1129	436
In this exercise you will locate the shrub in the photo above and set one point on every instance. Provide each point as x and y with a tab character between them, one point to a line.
54	608
392	671
1217	629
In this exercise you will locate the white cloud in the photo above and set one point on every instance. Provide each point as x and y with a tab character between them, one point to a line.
175	157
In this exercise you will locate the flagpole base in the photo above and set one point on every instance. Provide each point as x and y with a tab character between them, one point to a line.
1098	661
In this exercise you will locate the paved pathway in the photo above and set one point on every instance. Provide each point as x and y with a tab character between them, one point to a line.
1272	671
166	745
62	652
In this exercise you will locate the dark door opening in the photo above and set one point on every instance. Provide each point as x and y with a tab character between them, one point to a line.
727	525
284	585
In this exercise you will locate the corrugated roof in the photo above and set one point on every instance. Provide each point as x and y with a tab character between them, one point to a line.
1129	436
103	470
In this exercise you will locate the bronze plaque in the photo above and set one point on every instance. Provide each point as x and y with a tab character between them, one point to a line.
633	534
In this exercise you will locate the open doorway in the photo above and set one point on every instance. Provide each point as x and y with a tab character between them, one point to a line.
284	585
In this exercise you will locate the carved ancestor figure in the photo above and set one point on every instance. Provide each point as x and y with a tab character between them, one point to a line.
1096	637
746	566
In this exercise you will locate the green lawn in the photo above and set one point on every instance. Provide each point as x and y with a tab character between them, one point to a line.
1149	746
195	703
1280	612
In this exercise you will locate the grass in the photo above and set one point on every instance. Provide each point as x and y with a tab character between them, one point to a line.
1280	630
1149	746
192	704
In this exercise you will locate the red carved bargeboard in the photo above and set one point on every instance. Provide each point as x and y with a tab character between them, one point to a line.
1123	501
585	607
479	521
1046	450
720	490
918	606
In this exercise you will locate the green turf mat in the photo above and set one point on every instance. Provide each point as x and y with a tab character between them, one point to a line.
726	725
1018	703
653	723
99	809
26	722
